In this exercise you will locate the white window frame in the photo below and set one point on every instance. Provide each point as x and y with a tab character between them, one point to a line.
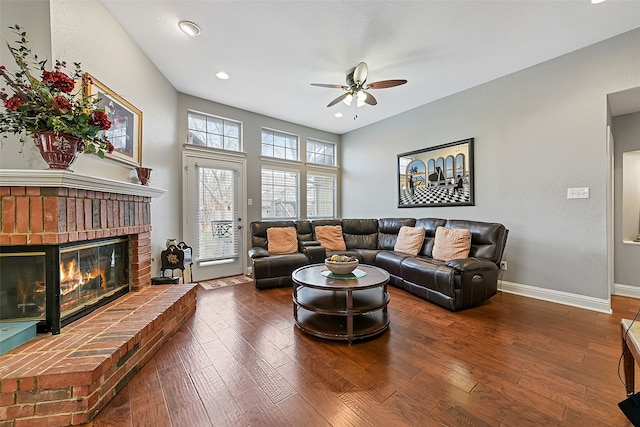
223	135
311	141
334	176
263	191
273	145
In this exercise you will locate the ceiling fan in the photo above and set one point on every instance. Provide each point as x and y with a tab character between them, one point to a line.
357	88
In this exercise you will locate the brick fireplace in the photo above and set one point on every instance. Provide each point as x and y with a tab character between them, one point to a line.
66	379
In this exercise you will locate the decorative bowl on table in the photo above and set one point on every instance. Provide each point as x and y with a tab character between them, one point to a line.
341	264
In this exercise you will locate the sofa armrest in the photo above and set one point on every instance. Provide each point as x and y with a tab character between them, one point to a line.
258	252
315	254
472	264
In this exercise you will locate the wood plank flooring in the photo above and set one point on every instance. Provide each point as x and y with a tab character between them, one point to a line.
514	361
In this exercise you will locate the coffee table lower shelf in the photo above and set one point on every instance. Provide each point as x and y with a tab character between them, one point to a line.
335	327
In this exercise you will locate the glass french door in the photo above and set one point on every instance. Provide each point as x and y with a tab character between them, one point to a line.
214	216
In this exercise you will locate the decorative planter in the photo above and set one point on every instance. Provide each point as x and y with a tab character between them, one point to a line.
58	149
143	175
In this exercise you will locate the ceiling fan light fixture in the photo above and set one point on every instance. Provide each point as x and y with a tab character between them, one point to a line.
347	100
189	28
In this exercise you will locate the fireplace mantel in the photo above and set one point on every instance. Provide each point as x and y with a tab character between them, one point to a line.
67	179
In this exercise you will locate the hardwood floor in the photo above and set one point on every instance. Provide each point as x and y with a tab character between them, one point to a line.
514	361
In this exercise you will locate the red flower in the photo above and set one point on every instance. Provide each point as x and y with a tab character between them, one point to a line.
110	147
59	80
13	103
101	120
62	103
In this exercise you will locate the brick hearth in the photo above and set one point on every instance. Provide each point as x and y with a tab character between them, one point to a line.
61	380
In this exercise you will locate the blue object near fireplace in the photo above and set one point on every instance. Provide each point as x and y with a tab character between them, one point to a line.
13	334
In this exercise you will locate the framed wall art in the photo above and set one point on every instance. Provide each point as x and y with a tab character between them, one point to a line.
437	176
126	122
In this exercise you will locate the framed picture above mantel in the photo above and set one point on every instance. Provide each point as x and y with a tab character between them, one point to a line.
126	122
437	176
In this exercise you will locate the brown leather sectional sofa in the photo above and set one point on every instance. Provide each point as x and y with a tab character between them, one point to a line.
454	284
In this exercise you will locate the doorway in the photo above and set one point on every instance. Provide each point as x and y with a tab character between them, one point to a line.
213	214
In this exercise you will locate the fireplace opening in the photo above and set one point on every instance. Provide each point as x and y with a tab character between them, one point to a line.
57	284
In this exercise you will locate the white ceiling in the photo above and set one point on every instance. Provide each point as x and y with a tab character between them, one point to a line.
273	50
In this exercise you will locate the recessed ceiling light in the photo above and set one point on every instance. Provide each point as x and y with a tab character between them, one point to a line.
222	75
596	1
338	115
189	28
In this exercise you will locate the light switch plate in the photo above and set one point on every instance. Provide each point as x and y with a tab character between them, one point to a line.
578	193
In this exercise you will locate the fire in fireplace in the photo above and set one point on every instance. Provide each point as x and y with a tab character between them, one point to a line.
57	284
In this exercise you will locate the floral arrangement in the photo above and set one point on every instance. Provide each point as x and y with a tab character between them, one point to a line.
53	103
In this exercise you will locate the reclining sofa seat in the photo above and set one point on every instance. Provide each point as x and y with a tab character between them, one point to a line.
454	284
274	271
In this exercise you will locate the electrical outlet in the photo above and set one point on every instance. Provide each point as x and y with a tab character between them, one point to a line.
578	193
503	265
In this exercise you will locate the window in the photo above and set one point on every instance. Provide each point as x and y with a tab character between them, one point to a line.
449	163
321	153
321	196
279	145
215	132
280	194
460	164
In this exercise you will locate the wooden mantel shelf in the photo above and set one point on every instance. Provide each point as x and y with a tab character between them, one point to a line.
67	179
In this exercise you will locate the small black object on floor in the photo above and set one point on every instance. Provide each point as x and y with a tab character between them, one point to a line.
631	408
165	280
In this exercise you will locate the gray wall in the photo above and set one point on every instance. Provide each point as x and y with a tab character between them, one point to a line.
626	132
537	132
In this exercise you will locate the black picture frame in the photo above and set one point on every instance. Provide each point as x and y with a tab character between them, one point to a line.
437	176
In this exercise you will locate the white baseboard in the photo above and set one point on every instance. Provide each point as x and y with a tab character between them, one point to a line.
560	297
626	290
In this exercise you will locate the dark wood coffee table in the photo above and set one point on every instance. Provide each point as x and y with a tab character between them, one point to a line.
341	307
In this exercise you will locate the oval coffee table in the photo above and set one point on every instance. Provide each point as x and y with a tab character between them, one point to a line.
341	307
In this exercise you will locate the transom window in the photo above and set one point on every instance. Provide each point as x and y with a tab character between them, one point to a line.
215	132
279	145
280	193
321	153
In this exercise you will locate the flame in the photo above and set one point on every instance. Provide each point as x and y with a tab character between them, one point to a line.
71	277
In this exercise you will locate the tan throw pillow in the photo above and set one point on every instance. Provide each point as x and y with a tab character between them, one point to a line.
282	240
410	240
330	237
451	243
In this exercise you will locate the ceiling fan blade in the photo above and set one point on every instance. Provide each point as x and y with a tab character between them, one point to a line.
328	85
360	73
369	99
338	99
385	84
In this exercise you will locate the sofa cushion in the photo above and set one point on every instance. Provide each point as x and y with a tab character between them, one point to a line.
391	261
451	243
282	240
430	226
360	233
388	229
487	239
410	240
430	274
330	237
